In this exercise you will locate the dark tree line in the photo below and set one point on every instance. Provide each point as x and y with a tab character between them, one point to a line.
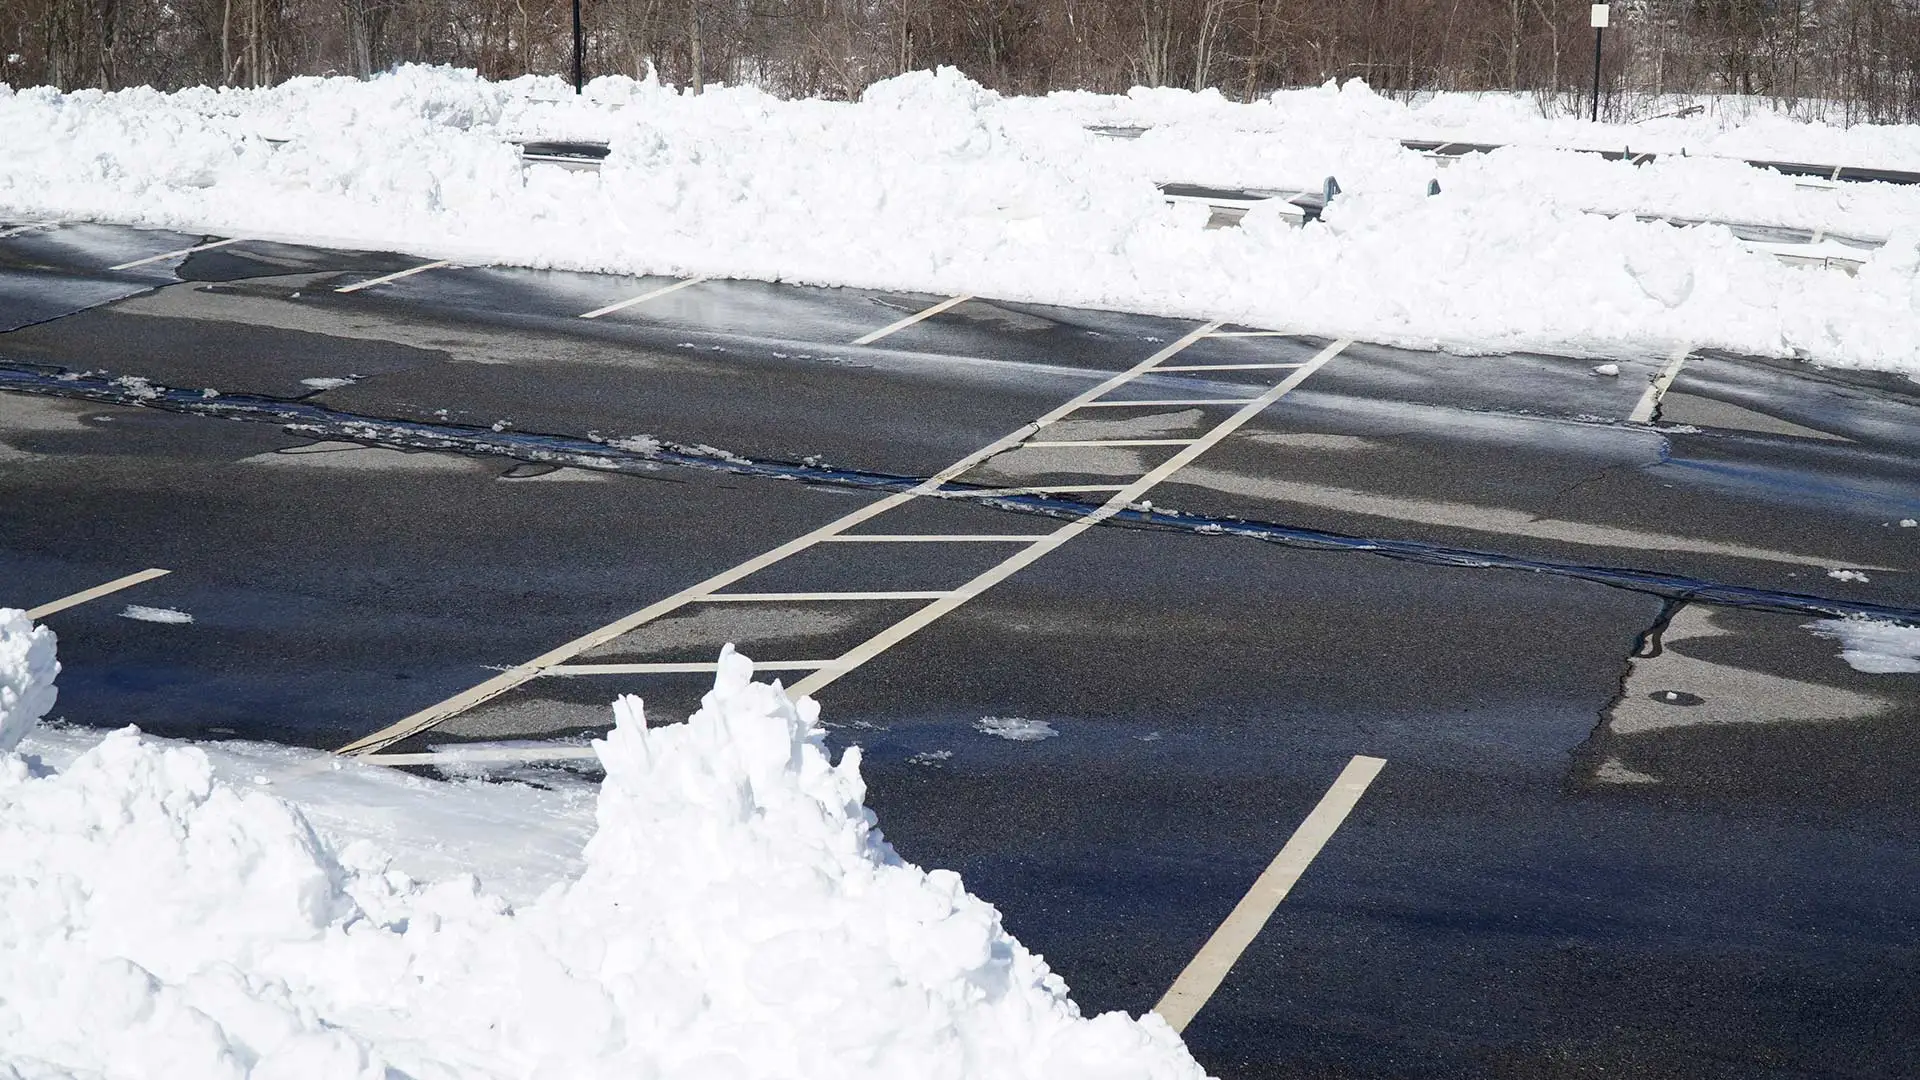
1850	59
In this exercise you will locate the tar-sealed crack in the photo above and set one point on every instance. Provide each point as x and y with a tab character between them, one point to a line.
644	457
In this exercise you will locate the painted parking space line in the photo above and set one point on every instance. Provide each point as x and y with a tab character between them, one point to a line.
654	294
396	276
1165	403
165	255
818	597
1043	489
933	538
499	684
1120	500
1110	442
19	230
1649	403
95	593
1229	367
698	667
885	331
941	603
1205	972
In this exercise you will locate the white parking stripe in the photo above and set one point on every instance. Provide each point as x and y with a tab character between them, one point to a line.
810	597
643	297
19	229
1204	973
358	285
694	668
1227	367
163	256
1109	442
1649	402
1121	499
929	313
1164	403
934	538
1048	489
94	593
515	676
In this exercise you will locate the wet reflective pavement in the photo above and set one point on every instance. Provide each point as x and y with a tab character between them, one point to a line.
1619	833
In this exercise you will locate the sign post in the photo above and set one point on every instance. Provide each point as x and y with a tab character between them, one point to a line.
579	47
1598	19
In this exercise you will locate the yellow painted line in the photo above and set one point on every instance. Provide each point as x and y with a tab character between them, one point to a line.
382	280
165	255
885	331
499	684
643	297
94	593
1205	972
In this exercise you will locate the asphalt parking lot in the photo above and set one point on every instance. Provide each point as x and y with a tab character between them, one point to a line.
1636	819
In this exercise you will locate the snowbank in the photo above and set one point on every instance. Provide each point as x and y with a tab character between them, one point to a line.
737	916
1873	645
930	183
27	670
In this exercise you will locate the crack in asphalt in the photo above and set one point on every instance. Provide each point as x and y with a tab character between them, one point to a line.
305	417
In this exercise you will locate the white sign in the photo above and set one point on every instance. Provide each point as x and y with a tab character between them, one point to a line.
1599	16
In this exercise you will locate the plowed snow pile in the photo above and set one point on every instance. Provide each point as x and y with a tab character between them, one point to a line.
933	184
738	915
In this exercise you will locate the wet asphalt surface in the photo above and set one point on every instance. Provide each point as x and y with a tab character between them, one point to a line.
1700	862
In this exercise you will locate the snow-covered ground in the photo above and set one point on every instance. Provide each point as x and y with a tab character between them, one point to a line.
1872	645
930	183
243	911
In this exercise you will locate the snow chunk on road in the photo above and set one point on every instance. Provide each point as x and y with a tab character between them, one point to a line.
27	670
143	613
738	914
1872	645
1015	728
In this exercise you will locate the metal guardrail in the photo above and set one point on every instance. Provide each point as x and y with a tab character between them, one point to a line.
568	155
1229	205
1842	173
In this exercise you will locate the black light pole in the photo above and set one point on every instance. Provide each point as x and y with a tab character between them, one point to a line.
1599	21
580	47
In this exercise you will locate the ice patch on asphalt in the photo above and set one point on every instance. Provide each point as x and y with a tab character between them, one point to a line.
736	913
1014	728
1873	646
168	616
